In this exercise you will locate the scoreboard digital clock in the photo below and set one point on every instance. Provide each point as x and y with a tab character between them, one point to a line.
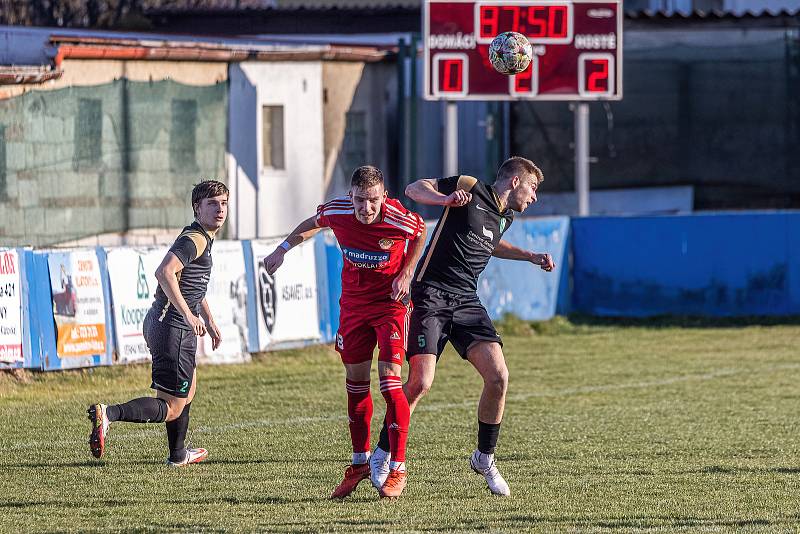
577	49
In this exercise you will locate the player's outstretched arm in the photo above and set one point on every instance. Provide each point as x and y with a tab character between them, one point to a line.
426	191
166	274
211	325
506	251
304	231
402	283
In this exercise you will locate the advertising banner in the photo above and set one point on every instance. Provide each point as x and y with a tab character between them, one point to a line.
133	286
78	303
287	301
227	300
10	308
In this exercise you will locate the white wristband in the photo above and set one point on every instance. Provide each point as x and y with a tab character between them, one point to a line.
285	246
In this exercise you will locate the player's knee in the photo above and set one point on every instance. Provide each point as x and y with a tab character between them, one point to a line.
417	387
174	409
498	380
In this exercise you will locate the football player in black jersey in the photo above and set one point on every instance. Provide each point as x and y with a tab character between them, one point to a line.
444	293
171	328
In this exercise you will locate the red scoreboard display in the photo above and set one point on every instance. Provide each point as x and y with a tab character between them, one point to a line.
577	49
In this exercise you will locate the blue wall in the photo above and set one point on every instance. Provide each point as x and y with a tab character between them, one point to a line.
712	264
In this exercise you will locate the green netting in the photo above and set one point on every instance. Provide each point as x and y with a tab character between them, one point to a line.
82	161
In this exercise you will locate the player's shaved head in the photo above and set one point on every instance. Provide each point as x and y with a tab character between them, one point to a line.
366	176
519	166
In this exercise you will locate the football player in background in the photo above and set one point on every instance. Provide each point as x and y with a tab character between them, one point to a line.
170	330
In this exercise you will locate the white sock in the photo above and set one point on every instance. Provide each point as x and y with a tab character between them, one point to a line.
482	459
380	454
398	466
360	458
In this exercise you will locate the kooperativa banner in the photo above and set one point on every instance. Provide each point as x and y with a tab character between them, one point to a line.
133	286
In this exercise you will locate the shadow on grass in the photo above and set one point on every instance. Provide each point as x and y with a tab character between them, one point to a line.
646	521
723	470
110	503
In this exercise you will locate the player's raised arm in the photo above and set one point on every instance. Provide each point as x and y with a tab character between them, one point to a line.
426	191
304	231
506	251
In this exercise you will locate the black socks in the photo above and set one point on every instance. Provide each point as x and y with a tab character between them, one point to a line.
487	436
176	435
141	410
383	441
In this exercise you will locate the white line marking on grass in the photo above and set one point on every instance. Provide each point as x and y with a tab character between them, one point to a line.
468	403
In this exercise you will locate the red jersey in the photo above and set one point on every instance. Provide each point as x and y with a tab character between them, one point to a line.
373	253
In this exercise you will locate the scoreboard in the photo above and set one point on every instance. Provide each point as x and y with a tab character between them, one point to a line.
577	47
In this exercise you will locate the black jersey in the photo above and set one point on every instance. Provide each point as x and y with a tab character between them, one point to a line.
464	238
193	249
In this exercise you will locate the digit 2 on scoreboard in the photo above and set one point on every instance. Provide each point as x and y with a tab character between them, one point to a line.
595	75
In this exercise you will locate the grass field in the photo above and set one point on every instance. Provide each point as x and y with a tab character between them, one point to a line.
660	426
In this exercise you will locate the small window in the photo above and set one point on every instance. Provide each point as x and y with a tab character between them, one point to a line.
183	136
272	137
88	133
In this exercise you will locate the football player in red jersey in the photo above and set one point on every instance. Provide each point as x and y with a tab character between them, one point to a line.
372	230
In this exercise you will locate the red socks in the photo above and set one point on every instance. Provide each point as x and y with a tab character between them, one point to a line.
397	416
359	410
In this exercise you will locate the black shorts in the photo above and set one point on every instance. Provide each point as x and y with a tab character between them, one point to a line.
173	350
439	316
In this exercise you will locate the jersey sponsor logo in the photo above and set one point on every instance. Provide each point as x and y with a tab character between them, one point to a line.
386	244
488	233
395	335
366	259
480	241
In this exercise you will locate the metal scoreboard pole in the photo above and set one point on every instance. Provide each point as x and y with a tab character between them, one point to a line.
581	111
451	139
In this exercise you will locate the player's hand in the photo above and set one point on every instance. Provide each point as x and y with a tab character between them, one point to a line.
457	198
196	324
216	335
400	285
545	261
274	260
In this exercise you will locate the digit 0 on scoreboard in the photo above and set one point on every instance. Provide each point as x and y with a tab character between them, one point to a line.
595	75
450	74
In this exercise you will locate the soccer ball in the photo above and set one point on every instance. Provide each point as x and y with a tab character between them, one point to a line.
510	53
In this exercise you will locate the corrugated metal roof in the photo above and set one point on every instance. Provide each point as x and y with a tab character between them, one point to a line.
699	15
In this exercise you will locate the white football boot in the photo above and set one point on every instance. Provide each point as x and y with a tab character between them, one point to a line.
379	467
193	456
484	464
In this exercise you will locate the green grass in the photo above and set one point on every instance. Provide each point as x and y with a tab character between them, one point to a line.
610	426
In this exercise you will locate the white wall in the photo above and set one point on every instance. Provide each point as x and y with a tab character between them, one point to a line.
270	202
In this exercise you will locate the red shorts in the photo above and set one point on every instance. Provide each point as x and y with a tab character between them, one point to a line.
362	326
